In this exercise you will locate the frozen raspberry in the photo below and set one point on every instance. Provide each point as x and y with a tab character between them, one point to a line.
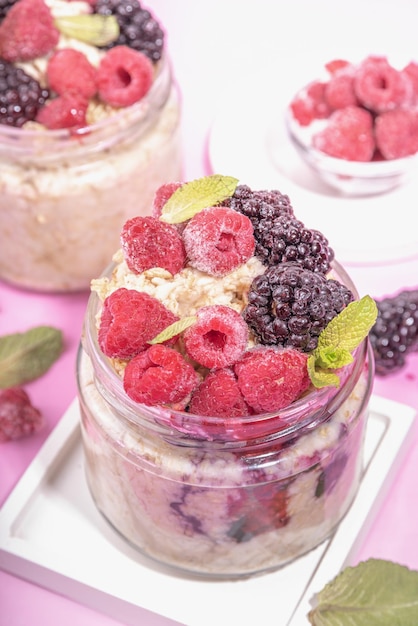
218	240
348	135
160	375
310	104
147	242
396	133
5	6
218	338
218	395
163	194
129	320
124	76
336	65
69	71
411	71
271	379
18	417
28	31
339	91
380	87
66	111
260	509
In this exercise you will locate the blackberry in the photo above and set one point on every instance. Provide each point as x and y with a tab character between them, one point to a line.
138	28
5	5
21	96
289	306
395	332
279	236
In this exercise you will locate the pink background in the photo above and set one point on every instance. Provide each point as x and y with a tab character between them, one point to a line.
211	44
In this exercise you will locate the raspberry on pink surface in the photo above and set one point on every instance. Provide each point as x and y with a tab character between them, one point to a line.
69	71
311	104
218	240
66	111
124	76
129	320
218	338
270	379
380	87
160	375
396	133
148	242
18	417
348	135
218	395
28	31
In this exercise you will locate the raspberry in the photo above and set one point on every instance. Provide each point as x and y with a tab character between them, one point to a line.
218	395
5	6
129	320
380	87
138	28
18	417
163	194
411	71
310	104
396	133
23	36
260	509
147	242
69	71
348	135
289	306
124	76
218	338
160	375
218	240
66	111
395	332
271	379
336	65
21	96
339	91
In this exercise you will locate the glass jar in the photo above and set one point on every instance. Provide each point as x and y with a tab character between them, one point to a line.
215	498
64	196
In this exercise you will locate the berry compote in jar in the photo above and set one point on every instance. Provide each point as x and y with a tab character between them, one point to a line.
88	130
217	441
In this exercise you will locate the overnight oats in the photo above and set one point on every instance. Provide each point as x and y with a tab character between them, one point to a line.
224	377
89	128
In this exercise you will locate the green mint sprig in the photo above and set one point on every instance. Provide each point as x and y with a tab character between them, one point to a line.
174	329
338	340
91	28
196	195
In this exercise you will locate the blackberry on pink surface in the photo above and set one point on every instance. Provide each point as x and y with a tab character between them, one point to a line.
21	96
290	305
395	332
138	28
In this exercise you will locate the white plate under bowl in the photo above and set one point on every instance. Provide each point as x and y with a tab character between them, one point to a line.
249	140
52	534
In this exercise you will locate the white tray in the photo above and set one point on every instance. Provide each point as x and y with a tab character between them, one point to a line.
52	534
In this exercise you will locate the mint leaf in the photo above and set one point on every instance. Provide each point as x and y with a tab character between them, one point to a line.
26	356
92	28
174	329
374	592
321	378
196	195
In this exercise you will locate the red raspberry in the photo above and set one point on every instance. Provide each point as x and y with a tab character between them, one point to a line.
310	104
218	240
339	91
147	242
124	76
129	320
69	71
334	66
348	135
396	133
160	375
66	111
27	31
18	418
380	87
411	71
163	194
219	396
218	338
271	379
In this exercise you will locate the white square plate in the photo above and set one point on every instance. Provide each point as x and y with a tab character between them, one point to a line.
52	534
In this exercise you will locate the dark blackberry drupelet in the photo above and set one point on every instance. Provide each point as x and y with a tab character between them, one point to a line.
138	28
279	236
290	305
395	332
5	5
21	96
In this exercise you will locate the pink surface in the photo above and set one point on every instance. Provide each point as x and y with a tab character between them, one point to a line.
211	44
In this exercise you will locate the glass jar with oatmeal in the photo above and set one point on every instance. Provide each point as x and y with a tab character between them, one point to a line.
222	498
65	193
